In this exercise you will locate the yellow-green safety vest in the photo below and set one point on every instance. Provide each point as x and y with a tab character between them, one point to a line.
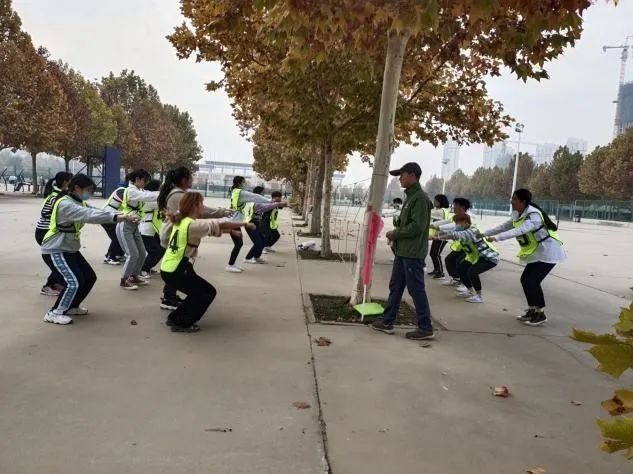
54	229
274	225
127	209
157	222
530	241
248	211
471	249
447	215
175	251
113	198
235	199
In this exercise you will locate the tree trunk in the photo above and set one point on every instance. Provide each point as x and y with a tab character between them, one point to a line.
396	45
326	246
307	193
315	222
66	163
34	171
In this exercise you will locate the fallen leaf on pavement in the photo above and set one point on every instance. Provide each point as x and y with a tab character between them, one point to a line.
502	391
445	387
426	345
302	405
133	323
444	373
536	470
383	430
575	403
322	341
219	430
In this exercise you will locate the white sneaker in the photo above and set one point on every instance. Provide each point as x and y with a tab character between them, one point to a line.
250	260
233	269
269	250
77	311
48	291
265	251
51	317
145	275
475	299
260	260
461	289
449	282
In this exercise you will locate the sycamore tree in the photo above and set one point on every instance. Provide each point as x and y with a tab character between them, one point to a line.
187	148
328	94
434	55
433	46
33	100
433	186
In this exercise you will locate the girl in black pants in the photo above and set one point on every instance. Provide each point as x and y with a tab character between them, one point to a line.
540	249
177	266
439	213
55	281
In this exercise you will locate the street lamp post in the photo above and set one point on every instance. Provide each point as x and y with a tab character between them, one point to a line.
519	129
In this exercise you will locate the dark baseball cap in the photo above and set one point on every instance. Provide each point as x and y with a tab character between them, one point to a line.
408	168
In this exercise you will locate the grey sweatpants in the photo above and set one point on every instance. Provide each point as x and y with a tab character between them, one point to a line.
132	243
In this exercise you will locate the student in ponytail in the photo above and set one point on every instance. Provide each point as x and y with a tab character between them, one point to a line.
176	178
541	250
525	196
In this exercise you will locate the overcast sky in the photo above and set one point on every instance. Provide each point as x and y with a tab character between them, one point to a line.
97	37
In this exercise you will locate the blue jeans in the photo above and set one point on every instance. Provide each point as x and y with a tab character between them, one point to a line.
409	273
258	241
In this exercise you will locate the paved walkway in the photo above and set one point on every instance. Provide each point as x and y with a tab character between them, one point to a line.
104	396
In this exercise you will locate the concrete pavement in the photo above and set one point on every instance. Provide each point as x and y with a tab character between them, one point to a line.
105	396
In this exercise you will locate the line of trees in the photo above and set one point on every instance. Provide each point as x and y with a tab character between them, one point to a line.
606	173
314	82
47	106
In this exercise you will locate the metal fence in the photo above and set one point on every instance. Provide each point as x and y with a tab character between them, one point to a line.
616	211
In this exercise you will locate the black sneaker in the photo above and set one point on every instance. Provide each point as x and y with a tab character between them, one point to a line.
432	273
438	276
538	318
527	316
169	322
420	335
382	327
192	328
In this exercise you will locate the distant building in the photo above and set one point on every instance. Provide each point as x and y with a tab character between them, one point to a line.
220	174
498	155
577	145
450	159
624	117
337	180
545	153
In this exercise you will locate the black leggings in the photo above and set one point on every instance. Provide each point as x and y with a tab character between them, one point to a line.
238	241
200	294
54	277
452	260
531	280
78	276
114	250
436	255
154	251
469	273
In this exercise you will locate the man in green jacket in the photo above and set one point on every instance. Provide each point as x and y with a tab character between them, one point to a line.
410	241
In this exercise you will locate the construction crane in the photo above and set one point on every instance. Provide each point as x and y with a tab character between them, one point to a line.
617	126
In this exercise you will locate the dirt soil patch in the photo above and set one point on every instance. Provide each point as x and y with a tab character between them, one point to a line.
317	235
337	308
311	254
